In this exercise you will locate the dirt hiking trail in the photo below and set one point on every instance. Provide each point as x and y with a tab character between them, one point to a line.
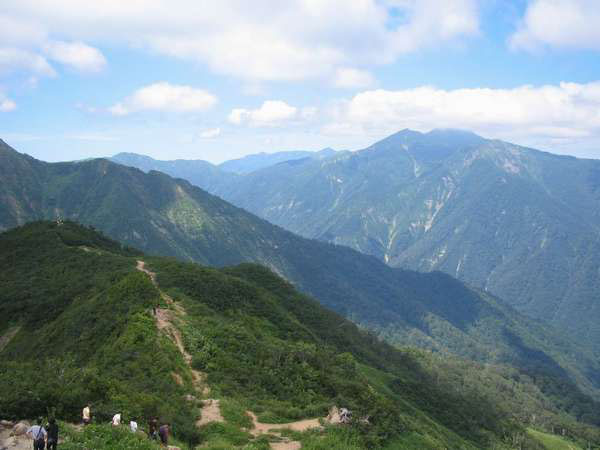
271	428
211	410
300	425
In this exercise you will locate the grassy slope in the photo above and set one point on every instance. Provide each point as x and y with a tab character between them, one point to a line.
553	442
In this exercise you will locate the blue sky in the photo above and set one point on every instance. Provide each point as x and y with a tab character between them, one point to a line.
215	81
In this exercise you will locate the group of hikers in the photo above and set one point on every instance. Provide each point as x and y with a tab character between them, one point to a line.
155	431
46	437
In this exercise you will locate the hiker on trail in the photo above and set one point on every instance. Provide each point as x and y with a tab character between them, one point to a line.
153	428
52	441
116	420
163	432
38	434
87	416
133	426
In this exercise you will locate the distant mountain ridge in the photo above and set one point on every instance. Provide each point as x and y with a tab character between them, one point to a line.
214	176
171	217
259	161
520	223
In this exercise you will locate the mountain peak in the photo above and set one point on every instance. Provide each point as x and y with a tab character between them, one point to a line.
454	133
436	144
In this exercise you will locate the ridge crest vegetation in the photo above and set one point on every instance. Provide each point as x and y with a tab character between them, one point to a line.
87	333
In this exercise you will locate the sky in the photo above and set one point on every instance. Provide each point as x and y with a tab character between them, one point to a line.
199	79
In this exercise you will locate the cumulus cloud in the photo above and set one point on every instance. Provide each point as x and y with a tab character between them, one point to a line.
559	23
541	114
165	97
78	55
210	133
302	39
271	113
349	78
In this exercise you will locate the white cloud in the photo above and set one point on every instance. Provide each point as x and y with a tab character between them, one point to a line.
165	97
302	39
78	55
210	133
6	104
15	59
559	23
271	113
349	78
537	114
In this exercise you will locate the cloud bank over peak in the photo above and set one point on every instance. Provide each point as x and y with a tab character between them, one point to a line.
542	115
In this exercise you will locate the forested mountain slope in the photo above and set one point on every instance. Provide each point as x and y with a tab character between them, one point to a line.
171	217
519	223
81	327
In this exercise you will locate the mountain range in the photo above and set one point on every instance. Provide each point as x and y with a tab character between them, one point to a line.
516	222
171	217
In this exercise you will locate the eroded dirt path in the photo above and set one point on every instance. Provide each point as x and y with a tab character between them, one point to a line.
165	318
271	428
300	425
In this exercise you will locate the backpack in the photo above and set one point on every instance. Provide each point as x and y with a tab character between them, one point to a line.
38	438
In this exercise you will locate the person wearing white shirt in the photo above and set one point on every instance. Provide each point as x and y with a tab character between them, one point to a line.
116	420
133	426
87	417
38	434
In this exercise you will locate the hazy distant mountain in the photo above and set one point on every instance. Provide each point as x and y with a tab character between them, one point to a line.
258	161
171	217
196	171
520	223
216	177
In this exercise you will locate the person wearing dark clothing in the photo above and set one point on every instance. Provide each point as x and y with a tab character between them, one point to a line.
153	429
52	441
163	432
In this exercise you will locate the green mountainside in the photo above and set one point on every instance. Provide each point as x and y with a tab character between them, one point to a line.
164	216
80	327
516	222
